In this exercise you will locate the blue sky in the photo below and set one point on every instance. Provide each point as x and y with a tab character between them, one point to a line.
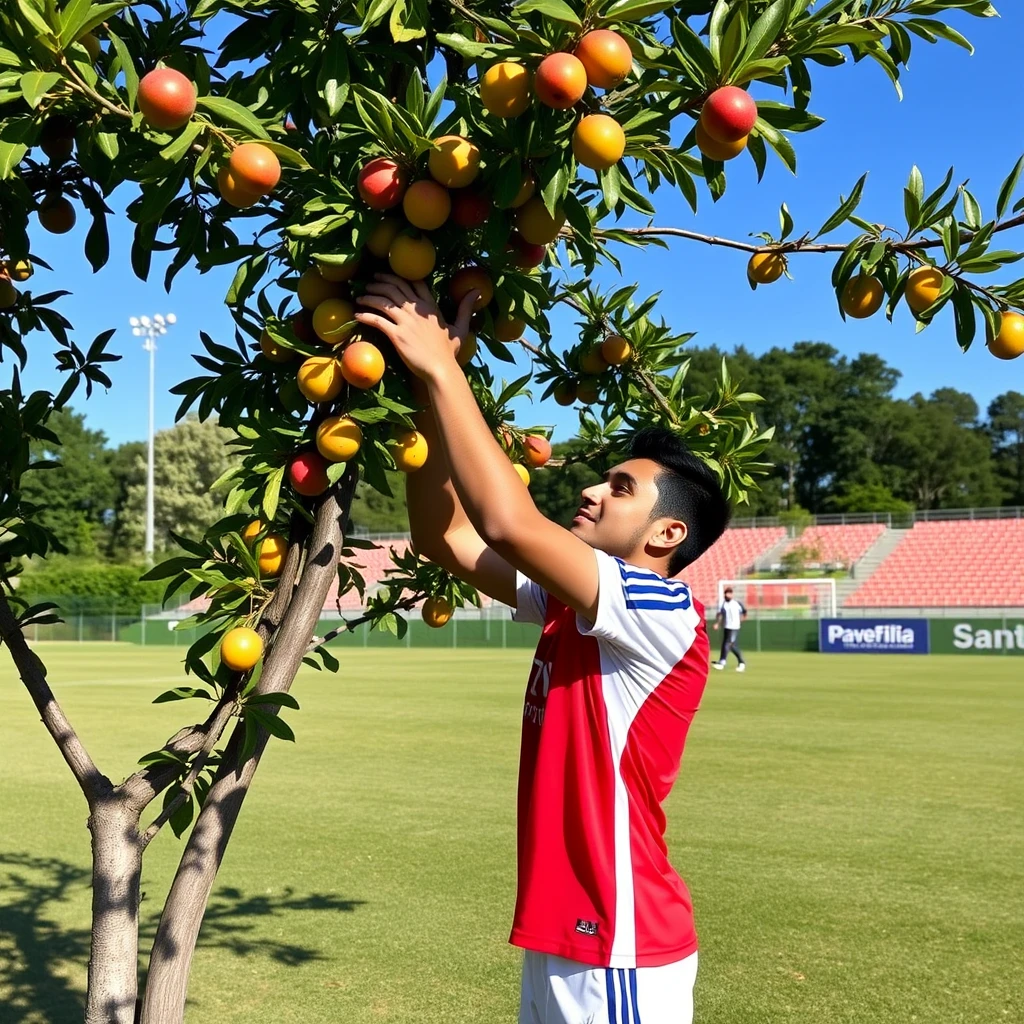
955	112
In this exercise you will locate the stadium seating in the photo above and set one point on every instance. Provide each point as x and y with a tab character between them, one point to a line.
955	563
838	544
732	557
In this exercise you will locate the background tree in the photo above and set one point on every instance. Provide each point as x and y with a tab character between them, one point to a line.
1006	423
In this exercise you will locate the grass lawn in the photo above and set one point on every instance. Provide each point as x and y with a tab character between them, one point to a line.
852	830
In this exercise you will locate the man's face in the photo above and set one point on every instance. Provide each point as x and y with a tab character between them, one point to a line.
615	515
728	595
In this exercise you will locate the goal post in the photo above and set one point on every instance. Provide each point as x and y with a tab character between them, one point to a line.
803	598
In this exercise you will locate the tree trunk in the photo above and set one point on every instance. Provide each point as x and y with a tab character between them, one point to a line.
182	917
114	953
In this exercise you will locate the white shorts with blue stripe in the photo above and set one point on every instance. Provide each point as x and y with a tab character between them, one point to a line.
560	991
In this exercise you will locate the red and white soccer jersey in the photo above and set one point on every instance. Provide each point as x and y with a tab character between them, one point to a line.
607	710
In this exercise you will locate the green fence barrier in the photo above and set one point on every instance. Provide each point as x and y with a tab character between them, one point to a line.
977	636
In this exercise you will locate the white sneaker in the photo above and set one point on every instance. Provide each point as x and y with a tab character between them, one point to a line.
718	664
741	667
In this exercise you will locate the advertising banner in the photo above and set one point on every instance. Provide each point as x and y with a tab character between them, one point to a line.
873	636
978	636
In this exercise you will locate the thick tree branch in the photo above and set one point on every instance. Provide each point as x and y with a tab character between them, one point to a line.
94	784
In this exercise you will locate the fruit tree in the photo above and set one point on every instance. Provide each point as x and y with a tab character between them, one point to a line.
507	149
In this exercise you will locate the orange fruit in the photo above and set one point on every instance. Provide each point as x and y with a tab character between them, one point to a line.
8	293
455	162
615	350
241	648
231	193
588	391
527	187
338	438
312	289
409	450
270	554
715	150
606	58
1009	342
564	393
333	320
729	114
561	81
411	257
593	362
18	270
923	287
467	350
536	225
320	378
524	473
251	532
274	352
598	142
338	272
505	89
766	267
255	168
470	279
362	365
536	450
862	296
167	99
381	237
436	611
426	205
57	215
508	328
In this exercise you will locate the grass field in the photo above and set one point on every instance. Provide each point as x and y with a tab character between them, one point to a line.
852	830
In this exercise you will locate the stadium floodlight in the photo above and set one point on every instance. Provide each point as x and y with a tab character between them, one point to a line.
150	329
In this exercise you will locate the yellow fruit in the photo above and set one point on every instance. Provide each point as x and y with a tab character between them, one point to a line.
615	350
505	89
536	225
467	350
862	296
251	532
312	289
426	205
336	272
593	361
436	611
455	162
409	450
333	320
274	352
766	267
19	270
412	258
270	554
320	378
923	287
508	328
8	294
588	391
92	46
598	142
382	236
241	648
715	150
526	189
232	193
338	438
1009	342
524	473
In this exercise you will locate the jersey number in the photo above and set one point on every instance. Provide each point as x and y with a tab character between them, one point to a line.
541	674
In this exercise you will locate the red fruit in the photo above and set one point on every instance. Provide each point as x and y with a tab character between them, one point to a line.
470	279
382	183
536	450
167	99
302	325
307	473
728	114
470	209
526	254
561	81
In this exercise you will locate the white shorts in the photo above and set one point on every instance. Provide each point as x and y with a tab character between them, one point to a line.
560	991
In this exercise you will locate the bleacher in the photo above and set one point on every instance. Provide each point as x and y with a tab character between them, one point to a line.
736	551
959	563
842	544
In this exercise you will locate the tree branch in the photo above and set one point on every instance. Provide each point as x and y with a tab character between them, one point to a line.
652	389
350	624
94	784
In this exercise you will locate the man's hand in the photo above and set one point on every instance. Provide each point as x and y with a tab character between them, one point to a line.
409	316
715	626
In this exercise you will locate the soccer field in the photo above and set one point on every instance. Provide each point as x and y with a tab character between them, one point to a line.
851	828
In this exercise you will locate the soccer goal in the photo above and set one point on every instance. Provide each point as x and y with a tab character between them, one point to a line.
795	598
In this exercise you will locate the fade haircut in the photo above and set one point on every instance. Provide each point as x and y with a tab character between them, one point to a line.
688	490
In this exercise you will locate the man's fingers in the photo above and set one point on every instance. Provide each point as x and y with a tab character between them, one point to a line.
464	314
400	283
389	291
384	303
385	326
422	291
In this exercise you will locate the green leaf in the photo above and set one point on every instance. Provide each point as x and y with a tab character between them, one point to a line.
963	316
272	493
131	76
557	10
846	207
634	10
972	211
274	724
715	28
182	693
785	222
281	700
36	84
286	153
1007	189
774	138
233	113
332	81
765	31
81	17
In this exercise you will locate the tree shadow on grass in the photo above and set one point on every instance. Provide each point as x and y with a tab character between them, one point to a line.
35	944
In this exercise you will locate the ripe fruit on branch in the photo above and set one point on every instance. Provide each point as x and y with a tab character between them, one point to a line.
564	393
766	267
232	193
508	328
8	293
715	150
57	215
381	237
593	362
505	89
1009	342
251	532
167	99
526	255
862	296
270	554
381	183
302	325
92	46
409	450
338	272
527	187
312	289
588	391
334	320
524	473
470	209
338	438
561	81
436	611
18	270
455	162
729	114
412	257
615	350
598	142
470	279
57	138
362	365
275	353
426	205
923	287
606	57
307	473
320	378
536	450
241	648
536	225
255	168
467	349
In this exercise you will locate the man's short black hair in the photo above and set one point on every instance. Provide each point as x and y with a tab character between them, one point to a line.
688	490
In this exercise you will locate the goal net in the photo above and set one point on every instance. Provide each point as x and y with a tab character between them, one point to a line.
784	599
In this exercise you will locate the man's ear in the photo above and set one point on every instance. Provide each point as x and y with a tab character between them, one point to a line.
672	533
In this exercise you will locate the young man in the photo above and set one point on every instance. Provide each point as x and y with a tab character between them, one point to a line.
606	922
731	614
